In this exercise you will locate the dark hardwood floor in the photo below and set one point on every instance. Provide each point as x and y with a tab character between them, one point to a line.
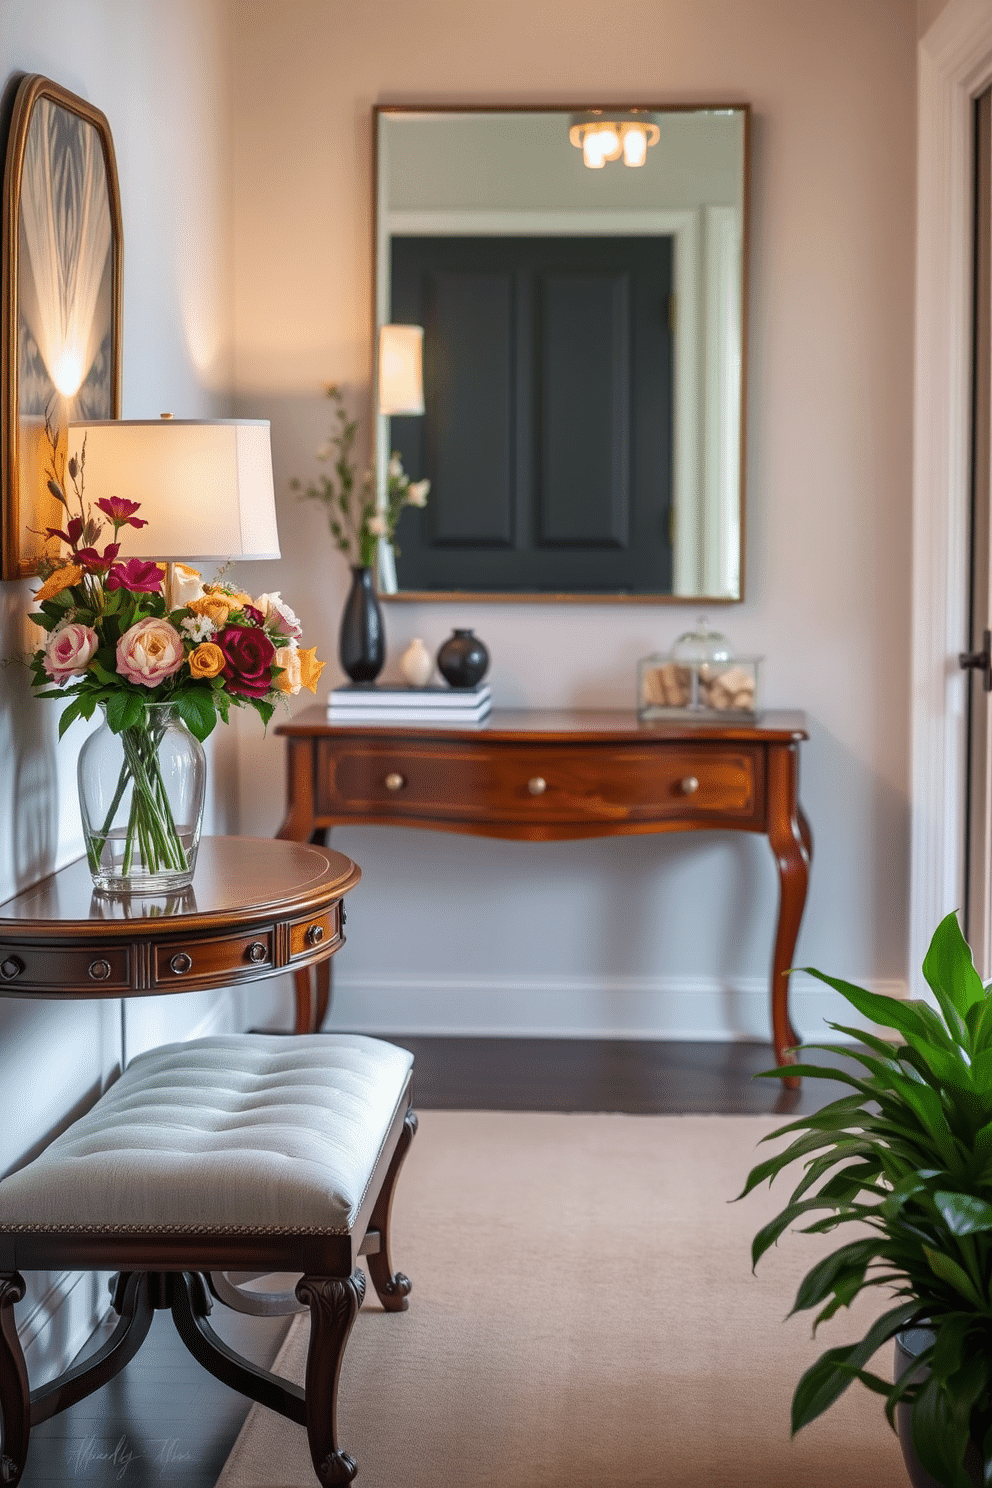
165	1420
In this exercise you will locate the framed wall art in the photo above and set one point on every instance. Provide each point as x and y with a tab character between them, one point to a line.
61	300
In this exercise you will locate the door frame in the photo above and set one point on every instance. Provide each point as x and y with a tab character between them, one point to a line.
954	66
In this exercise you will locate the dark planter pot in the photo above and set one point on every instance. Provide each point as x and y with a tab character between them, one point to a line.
908	1345
362	644
463	659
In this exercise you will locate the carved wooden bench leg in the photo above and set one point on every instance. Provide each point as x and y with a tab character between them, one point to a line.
15	1397
392	1288
334	1303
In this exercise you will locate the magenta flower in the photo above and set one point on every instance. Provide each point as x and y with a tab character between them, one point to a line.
72	536
248	657
91	559
121	512
138	574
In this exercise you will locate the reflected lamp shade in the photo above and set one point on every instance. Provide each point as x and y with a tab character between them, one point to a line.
401	377
205	486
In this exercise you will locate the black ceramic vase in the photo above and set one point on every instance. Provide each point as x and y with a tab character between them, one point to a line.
362	644
910	1343
463	659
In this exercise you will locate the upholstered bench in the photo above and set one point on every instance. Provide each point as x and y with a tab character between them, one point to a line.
206	1161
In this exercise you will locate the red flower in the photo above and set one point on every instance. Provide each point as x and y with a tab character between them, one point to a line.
248	656
91	560
121	512
255	616
137	574
72	536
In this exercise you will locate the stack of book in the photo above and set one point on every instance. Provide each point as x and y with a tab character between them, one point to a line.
357	703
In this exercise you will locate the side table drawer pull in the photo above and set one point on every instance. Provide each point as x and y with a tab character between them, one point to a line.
181	963
11	968
537	785
315	935
690	785
100	970
394	781
257	952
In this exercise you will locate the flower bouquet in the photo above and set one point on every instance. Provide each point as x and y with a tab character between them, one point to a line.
164	656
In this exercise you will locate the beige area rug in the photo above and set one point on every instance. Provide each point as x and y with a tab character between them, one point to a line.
584	1315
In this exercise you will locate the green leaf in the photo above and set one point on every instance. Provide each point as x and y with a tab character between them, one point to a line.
908	1018
124	710
948	1270
950	971
197	711
940	1437
820	1280
964	1214
830	1376
70	714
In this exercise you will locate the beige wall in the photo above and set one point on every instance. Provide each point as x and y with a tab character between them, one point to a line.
577	934
927	12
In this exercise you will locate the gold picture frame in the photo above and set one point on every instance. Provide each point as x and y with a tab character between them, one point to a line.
61	300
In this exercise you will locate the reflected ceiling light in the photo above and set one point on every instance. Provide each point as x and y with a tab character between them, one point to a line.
605	136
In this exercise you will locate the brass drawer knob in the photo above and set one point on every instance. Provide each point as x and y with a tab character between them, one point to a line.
394	781
11	968
537	785
100	970
257	951
181	963
690	785
315	935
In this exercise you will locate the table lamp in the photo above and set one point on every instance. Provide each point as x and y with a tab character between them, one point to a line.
205	485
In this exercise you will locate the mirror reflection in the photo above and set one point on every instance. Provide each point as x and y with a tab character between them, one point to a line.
579	280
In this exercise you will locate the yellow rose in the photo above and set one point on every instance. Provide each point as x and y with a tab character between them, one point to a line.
289	679
214	607
206	661
238	596
310	668
62	578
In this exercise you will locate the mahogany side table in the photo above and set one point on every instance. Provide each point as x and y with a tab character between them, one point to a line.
540	775
256	907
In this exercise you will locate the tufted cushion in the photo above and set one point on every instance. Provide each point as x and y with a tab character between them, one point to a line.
234	1134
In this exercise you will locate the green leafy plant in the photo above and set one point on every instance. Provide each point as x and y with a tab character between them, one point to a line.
908	1158
356	521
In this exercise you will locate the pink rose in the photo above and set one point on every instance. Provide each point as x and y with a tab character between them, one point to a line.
279	617
149	652
69	651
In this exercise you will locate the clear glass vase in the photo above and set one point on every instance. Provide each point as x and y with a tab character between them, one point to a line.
141	799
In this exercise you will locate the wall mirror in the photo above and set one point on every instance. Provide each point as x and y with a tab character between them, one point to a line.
61	299
583	349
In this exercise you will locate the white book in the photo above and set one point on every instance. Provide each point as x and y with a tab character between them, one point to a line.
393	698
406	715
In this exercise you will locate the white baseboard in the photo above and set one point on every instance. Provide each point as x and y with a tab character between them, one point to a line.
678	1008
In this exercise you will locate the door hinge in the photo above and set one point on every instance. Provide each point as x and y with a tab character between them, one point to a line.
980	661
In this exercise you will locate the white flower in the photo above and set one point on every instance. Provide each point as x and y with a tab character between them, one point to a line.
198	628
185	585
395	466
378	525
417	494
324	452
278	616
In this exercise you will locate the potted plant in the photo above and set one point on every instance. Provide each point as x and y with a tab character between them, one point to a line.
358	522
907	1157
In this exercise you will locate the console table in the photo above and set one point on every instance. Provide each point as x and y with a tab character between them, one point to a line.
540	775
255	908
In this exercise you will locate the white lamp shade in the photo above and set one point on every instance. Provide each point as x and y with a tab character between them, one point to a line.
401	378
205	487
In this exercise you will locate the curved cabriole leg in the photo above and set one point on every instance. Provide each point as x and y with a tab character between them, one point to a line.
334	1303
15	1396
392	1288
791	841
134	1307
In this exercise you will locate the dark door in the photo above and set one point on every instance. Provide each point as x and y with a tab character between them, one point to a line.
547	433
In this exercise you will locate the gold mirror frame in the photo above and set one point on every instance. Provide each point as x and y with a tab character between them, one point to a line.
735	542
62	275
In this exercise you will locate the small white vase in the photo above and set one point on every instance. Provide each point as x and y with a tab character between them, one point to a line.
417	663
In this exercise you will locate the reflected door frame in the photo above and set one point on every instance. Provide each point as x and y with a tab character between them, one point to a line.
954	68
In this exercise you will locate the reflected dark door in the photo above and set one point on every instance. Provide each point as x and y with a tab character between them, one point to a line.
547	433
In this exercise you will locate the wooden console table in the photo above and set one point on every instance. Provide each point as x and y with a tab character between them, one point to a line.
255	908
537	775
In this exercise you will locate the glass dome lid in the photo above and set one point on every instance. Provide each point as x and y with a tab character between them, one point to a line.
701	645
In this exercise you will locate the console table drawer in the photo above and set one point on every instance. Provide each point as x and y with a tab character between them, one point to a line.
203	962
98	971
576	785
